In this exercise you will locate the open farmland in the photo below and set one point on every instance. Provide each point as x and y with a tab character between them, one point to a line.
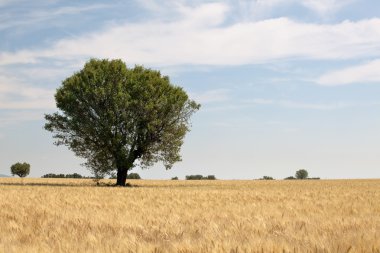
63	215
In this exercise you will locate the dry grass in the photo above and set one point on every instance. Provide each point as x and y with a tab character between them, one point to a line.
43	215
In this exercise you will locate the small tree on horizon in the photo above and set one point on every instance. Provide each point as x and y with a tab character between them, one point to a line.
302	174
20	169
133	176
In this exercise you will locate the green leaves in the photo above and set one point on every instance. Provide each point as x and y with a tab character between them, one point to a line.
302	174
20	169
113	116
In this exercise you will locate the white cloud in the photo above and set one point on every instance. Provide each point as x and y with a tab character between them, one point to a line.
199	38
325	6
16	95
365	73
46	74
210	14
19	57
260	9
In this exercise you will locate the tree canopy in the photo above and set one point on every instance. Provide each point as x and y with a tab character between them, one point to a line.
116	117
302	174
20	169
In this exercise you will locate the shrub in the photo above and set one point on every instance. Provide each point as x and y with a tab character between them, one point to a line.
266	178
174	178
194	177
20	169
133	176
301	174
290	178
200	177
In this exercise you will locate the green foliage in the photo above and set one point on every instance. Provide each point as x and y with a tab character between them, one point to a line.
75	175
20	169
133	176
266	178
114	116
194	177
301	174
174	178
52	175
200	177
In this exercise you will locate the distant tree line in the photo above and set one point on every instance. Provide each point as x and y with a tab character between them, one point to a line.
309	178
129	176
200	177
300	174
52	175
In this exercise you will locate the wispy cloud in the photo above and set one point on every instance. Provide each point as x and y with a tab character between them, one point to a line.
324	7
300	105
14	94
37	16
201	37
263	8
365	73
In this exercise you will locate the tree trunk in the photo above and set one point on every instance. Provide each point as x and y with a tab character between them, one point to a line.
123	166
121	177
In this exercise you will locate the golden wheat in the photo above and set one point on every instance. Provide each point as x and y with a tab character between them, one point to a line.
62	215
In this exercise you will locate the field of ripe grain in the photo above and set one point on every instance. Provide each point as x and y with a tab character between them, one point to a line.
63	215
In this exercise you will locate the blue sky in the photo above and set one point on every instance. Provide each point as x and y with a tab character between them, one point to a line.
284	84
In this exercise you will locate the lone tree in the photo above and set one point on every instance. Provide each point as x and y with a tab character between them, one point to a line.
301	174
117	117
20	169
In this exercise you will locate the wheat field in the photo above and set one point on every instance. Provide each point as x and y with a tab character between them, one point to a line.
75	215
